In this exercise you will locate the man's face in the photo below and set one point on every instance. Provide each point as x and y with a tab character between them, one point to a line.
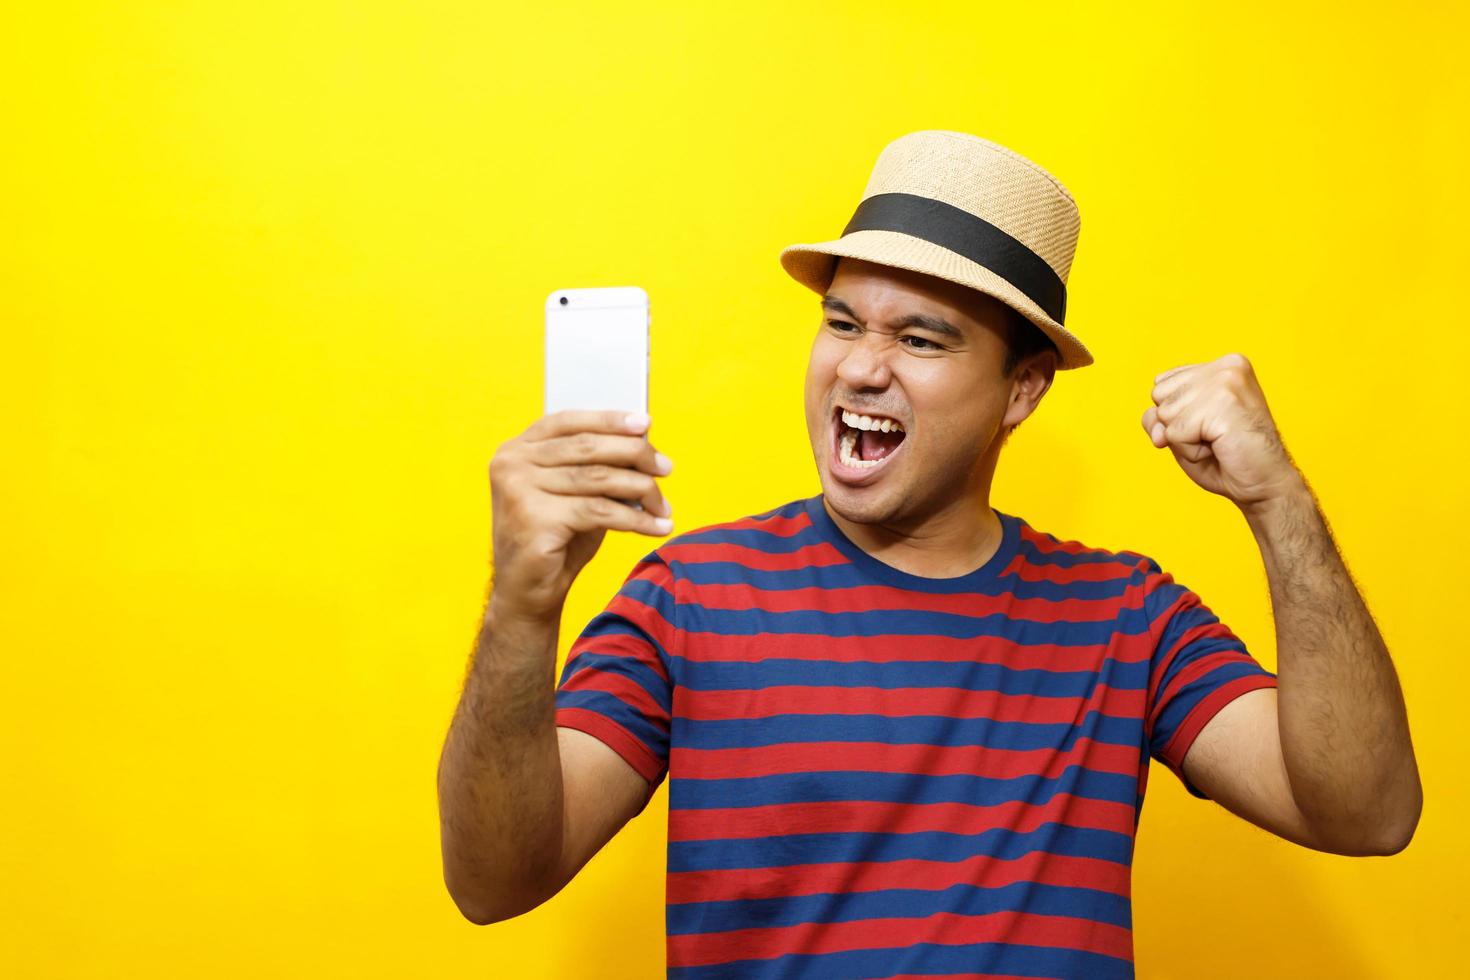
921	357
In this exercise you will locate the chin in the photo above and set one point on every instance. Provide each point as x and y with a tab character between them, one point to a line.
863	505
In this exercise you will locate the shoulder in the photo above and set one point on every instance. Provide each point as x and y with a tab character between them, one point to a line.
1127	585
781	529
1123	583
1067	559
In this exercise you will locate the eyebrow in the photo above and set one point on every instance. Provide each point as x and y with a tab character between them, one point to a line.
923	321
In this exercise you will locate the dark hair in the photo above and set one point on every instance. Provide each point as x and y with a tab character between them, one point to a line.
1025	339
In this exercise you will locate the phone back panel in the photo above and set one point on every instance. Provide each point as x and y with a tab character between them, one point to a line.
597	349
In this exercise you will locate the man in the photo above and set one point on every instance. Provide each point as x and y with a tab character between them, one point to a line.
907	733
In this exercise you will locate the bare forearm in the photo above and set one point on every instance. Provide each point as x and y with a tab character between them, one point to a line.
1344	729
500	785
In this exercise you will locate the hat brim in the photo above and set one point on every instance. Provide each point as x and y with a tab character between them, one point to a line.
813	265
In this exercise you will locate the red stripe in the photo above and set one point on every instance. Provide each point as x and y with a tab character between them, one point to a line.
1048	543
1101	571
865	816
868	598
899	702
807	556
938	760
727	884
621	644
701	646
708	949
616	737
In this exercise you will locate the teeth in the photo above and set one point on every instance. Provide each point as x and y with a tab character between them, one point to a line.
844	452
869	423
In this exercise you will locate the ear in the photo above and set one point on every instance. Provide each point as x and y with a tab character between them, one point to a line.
1032	380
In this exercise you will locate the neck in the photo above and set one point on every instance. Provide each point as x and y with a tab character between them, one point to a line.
954	541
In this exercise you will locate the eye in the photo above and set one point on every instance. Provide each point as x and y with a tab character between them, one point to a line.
842	326
922	343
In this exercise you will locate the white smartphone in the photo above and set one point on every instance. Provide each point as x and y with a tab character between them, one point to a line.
597	349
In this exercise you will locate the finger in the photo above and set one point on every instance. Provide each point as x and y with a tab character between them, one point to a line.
1185	430
1153	427
596	480
584	448
1172	371
655	503
574	420
601	513
1170	387
1194	451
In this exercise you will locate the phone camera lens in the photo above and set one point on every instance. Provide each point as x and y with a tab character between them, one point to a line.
563	301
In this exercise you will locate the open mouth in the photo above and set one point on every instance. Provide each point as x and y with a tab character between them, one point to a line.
864	442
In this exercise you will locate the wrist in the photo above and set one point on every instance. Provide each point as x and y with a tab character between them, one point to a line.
506	612
1287	504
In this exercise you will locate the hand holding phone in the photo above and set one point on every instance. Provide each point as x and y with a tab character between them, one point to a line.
554	494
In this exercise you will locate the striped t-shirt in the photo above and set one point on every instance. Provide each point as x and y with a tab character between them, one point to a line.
878	774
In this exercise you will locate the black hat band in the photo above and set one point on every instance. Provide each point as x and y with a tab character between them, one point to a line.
969	235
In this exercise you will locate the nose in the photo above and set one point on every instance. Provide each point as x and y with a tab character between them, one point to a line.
866	363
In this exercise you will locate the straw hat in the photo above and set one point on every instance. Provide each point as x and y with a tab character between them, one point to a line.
968	210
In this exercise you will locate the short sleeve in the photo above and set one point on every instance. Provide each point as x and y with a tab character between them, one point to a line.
616	683
1197	667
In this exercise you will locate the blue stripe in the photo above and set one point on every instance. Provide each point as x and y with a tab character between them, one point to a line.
753	675
694	918
767	542
896	622
742	733
926	845
920	958
905	789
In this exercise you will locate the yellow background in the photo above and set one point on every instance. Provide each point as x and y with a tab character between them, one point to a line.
272	277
